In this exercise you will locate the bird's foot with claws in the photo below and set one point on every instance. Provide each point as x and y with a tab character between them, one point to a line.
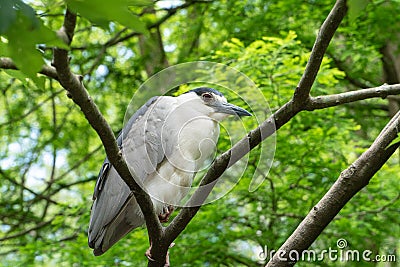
148	255
166	213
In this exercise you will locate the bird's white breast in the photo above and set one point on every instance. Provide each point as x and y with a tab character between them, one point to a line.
193	134
190	138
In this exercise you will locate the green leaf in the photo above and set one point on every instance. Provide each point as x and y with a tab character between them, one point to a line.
17	74
25	32
4	49
7	15
39	81
9	10
356	7
395	141
140	2
44	35
26	58
102	12
21	44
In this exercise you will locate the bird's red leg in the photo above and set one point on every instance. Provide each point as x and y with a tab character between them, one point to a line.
167	211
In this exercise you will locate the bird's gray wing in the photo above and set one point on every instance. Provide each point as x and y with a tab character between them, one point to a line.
115	211
142	145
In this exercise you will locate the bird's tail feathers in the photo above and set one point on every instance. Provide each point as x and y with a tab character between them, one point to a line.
117	228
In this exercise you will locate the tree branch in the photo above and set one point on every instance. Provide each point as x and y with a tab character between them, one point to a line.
350	181
382	91
73	84
7	63
322	41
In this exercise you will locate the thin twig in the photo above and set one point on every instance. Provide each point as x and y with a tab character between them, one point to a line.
170	13
24	232
40	196
33	109
382	91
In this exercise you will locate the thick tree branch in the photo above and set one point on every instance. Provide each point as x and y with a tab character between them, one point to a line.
382	91
7	63
322	41
350	181
73	84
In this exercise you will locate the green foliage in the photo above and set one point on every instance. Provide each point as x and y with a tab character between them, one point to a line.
356	7
103	12
395	141
50	156
276	65
24	31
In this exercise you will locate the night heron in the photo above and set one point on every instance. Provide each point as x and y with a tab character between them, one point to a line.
164	143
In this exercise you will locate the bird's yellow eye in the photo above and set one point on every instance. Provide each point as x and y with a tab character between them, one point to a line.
207	96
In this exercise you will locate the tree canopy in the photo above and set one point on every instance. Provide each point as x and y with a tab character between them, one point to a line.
51	152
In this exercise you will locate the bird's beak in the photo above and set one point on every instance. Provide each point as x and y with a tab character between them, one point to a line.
231	109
